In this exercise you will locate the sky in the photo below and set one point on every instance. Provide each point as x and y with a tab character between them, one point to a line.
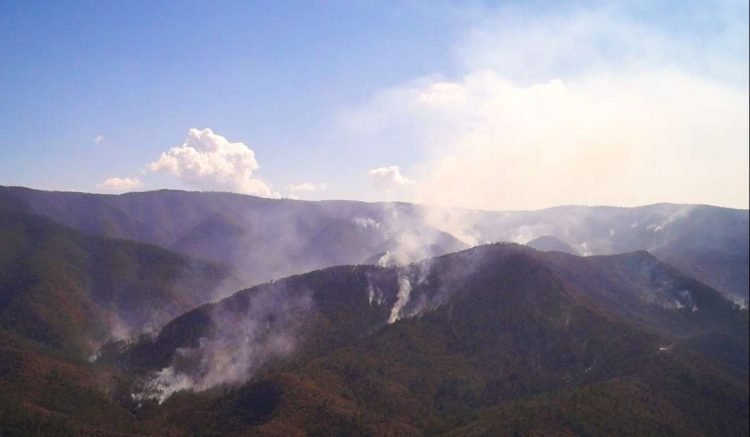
490	105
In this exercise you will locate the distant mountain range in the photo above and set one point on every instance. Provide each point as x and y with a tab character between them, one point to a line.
118	317
262	239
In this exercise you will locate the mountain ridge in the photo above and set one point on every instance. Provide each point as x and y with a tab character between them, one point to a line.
709	242
68	289
510	329
498	338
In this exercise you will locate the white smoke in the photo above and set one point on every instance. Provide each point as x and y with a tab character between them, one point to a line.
240	343
404	290
374	294
526	233
456	222
415	233
681	212
366	222
165	383
408	247
582	106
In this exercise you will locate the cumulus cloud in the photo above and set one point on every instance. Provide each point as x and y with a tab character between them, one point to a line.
119	185
389	178
581	107
307	187
210	162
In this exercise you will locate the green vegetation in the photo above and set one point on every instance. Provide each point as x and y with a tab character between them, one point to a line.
497	340
517	350
71	291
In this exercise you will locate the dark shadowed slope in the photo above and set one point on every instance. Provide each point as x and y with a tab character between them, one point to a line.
485	339
72	291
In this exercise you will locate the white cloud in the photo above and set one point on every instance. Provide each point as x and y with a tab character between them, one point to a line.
208	161
119	185
307	187
546	115
389	178
99	139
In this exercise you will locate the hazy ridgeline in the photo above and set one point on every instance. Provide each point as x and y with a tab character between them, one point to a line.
262	239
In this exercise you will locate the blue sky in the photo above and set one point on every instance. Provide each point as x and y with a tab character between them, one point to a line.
330	98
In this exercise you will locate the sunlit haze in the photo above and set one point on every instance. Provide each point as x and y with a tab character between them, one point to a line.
488	105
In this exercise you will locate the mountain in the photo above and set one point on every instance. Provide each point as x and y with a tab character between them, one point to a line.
547	243
263	239
498	339
480	341
645	291
260	239
47	393
72	291
710	243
